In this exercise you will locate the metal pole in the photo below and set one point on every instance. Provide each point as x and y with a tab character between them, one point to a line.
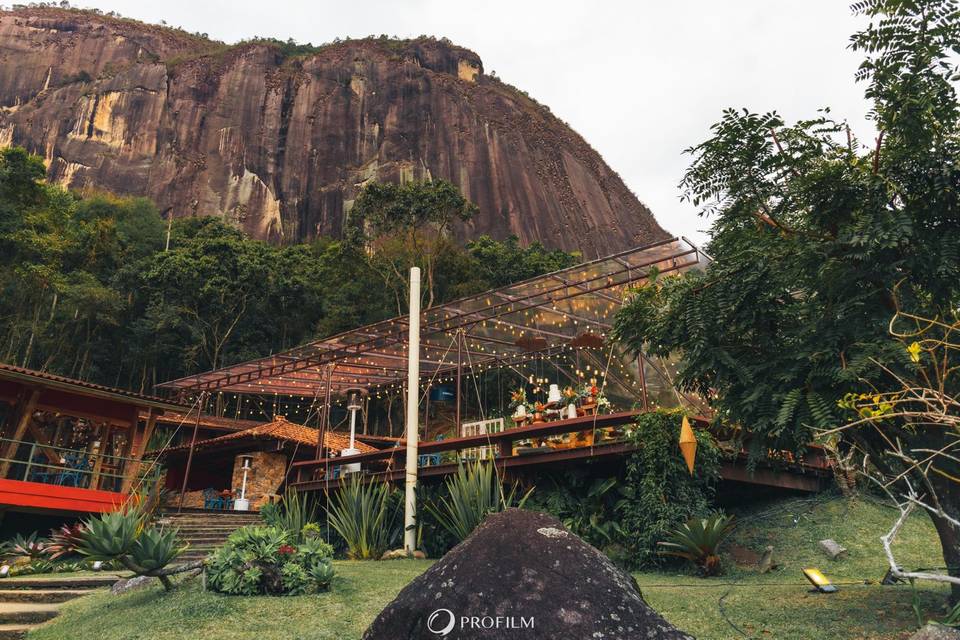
426	412
413	376
193	441
459	375
643	382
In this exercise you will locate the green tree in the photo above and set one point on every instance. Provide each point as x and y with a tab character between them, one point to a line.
406	225
816	239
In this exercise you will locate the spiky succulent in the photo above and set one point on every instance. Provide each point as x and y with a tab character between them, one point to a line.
28	546
698	540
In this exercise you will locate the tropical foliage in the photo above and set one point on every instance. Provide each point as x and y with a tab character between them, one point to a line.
267	561
102	288
817	238
294	513
587	505
472	493
659	493
361	514
698	540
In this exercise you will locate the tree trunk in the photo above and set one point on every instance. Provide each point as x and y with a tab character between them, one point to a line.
948	493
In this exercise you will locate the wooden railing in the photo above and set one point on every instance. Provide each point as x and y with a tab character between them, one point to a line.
62	466
602	439
313	474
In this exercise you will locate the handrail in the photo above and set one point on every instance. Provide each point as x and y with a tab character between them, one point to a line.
93	468
539	430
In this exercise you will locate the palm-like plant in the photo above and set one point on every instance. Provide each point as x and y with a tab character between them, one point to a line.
698	540
360	514
474	492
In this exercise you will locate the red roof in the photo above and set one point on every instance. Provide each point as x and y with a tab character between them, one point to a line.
20	374
280	429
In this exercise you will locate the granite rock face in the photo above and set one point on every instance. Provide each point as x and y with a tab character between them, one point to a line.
522	575
280	145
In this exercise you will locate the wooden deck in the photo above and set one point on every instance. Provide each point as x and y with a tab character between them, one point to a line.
388	464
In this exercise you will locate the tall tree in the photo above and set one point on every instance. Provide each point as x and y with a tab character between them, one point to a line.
817	239
406	225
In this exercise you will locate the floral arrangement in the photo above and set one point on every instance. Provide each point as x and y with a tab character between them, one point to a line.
518	399
592	395
570	394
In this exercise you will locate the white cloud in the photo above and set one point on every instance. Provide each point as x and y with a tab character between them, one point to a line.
641	80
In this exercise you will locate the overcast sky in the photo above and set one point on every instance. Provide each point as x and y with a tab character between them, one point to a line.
640	80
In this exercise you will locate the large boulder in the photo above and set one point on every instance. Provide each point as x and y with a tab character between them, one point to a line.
521	575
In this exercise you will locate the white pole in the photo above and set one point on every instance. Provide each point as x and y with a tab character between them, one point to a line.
243	489
353	427
413	427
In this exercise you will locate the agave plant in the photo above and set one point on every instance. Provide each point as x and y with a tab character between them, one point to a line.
360	514
125	536
698	540
154	549
474	492
29	546
65	541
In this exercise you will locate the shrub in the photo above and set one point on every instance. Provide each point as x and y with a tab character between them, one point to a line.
361	514
698	540
311	530
258	560
473	493
659	492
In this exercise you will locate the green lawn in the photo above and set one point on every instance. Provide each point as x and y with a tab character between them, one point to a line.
775	605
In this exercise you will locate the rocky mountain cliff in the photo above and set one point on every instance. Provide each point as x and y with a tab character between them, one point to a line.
281	143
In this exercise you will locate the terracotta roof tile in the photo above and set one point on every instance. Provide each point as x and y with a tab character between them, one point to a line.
279	429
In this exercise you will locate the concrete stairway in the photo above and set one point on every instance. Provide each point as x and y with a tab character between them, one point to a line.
28	602
204	531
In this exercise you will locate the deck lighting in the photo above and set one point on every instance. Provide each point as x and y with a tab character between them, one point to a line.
820	582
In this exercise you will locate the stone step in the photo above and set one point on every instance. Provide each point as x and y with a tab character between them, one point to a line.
14	631
86	582
26	612
41	595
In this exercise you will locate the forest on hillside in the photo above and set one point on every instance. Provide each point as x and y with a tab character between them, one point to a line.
101	288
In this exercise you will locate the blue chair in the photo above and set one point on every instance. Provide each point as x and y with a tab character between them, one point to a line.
212	499
431	459
76	467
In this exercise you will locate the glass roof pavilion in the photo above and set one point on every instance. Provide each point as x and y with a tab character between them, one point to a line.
562	318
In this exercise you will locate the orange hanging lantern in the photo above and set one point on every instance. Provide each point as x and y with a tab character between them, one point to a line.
688	444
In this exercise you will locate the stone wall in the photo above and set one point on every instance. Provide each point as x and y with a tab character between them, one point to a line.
264	479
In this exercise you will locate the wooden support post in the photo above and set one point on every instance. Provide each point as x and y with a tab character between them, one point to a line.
23	419
193	442
104	438
136	452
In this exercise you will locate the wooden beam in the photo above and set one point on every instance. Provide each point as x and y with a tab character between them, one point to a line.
136	452
23	420
104	438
